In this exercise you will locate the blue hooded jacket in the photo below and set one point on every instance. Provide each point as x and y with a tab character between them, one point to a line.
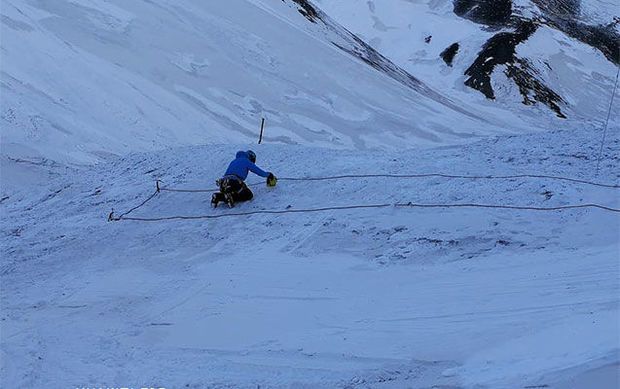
241	165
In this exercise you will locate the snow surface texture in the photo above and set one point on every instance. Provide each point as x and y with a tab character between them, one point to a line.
366	298
386	298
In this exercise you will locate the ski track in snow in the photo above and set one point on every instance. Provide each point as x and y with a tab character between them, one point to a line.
385	298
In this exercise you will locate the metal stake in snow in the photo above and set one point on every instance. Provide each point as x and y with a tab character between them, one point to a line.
262	126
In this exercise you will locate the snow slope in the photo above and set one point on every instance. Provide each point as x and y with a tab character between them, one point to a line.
366	298
389	297
86	80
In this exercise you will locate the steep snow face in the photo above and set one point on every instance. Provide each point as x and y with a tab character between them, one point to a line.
82	80
495	56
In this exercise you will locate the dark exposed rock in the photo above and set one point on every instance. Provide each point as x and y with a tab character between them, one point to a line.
560	8
491	12
449	53
307	10
603	38
500	50
523	75
564	15
548	194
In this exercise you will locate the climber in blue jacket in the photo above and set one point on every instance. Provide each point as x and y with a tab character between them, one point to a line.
232	186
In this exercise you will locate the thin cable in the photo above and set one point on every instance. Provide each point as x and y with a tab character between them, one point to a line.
140	205
424	175
611	102
152	196
264	211
399	205
515	207
488	177
188	190
111	217
198	190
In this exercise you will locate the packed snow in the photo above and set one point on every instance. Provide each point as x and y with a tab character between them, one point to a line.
353	298
102	99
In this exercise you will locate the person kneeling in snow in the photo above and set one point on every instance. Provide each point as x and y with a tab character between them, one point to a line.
232	186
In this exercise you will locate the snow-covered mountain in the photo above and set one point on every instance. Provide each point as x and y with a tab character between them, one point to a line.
70	67
558	55
361	279
83	80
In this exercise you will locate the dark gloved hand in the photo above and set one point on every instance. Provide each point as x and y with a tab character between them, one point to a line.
271	180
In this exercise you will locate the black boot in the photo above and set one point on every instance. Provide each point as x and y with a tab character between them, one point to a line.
216	198
228	197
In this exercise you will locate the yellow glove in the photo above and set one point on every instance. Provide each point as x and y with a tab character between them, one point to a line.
272	180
